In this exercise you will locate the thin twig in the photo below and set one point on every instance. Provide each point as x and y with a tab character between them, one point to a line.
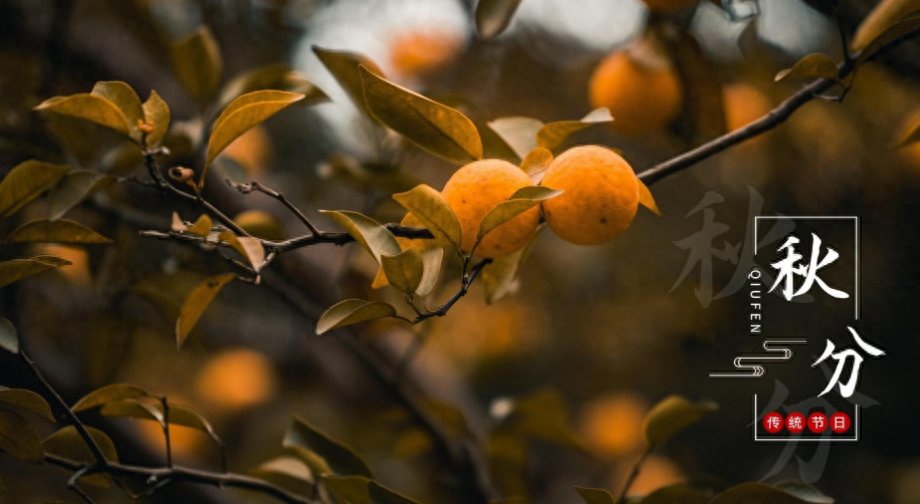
634	474
255	186
72	484
165	402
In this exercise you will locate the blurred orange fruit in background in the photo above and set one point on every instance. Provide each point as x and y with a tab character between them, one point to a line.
639	86
743	104
237	379
612	423
252	150
656	472
421	53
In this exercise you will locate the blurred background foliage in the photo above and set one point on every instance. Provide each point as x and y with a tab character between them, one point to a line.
599	325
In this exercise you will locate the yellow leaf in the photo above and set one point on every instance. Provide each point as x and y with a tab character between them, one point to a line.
59	231
17	269
77	186
198	64
156	111
519	133
434	127
67	443
646	199
536	162
404	270
493	16
672	415
897	31
522	200
196	303
123	97
248	247
243	114
19	438
431	266
429	206
499	277
201	227
813	66
352	311
26	182
274	76
344	66
88	107
552	135
107	394
885	14
375	238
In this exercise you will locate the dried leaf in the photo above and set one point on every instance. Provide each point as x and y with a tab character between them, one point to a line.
17	269
646	199
19	438
672	415
198	64
88	107
196	303
156	111
248	247
243	114
341	459
434	127
26	182
28	400
519	133
885	15
376	239
522	200
552	135
352	311
429	206
59	231
107	394
126	100
431	266
75	188
493	16
813	66
202	227
404	270
344	66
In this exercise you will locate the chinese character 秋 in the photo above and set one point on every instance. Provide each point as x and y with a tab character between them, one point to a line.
789	266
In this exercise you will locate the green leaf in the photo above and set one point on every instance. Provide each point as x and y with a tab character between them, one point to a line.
522	200
126	100
276	77
537	161
198	64
341	459
196	303
672	415
885	14
431	266
26	182
19	438
429	206
889	35
89	107
75	188
344	66
246	246
68	443
107	394
352	311
156	111
595	495
59	231
9	340
287	472
434	127
17	269
493	16
243	114
680	493
498	278
755	493
404	270
382	495
805	492
28	400
646	199
552	135
376	239
519	133
813	66
347	489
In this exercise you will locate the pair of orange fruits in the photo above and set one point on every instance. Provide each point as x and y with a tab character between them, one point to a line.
600	199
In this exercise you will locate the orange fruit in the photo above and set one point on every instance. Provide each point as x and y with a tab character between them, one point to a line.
743	104
668	6
640	87
237	379
419	54
613	423
600	199
477	187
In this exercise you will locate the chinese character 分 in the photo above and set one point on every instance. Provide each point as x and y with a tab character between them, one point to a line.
846	389
789	266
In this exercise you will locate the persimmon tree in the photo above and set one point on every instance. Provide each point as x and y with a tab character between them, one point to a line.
480	226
